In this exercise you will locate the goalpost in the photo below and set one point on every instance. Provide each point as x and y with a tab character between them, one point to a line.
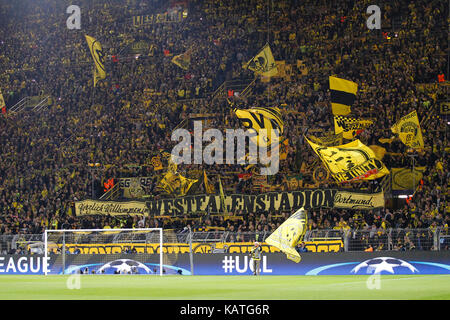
105	251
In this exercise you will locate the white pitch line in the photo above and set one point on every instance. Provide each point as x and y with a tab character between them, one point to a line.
388	279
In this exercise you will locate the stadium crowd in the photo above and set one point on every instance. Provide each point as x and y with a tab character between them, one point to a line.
129	116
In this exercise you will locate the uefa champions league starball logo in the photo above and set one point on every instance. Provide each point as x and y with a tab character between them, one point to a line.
124	266
383	264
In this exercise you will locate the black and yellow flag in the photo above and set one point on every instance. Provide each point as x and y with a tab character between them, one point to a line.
183	60
289	233
343	95
209	188
406	178
350	127
330	139
350	162
173	182
157	163
408	130
258	118
176	184
99	58
263	63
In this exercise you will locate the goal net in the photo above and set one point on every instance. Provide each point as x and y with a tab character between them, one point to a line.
106	251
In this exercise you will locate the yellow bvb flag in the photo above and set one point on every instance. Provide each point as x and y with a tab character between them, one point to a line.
156	163
263	63
408	130
350	162
99	58
258	118
406	178
173	182
289	233
343	95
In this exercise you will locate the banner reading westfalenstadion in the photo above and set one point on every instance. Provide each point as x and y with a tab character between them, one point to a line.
267	202
112	208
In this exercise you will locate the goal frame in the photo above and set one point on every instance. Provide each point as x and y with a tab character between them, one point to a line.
63	231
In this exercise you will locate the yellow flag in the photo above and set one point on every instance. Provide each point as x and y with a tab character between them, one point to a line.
99	58
209	188
2	100
350	127
263	63
289	233
406	178
258	118
175	183
408	130
329	139
350	162
386	140
343	94
156	163
185	185
378	151
183	60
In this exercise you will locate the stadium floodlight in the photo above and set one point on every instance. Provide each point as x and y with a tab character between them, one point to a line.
104	251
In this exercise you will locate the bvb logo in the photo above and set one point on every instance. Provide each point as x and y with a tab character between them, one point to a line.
409	127
290	232
136	190
320	174
259	64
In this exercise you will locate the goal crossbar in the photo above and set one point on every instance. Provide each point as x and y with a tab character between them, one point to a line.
64	231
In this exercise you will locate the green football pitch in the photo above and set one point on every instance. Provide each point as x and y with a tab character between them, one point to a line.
120	287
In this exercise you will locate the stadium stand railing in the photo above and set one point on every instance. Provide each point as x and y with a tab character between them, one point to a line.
353	240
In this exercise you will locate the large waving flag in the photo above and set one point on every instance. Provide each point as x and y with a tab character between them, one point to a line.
173	182
408	130
263	63
350	162
289	233
99	58
350	127
183	60
343	95
258	118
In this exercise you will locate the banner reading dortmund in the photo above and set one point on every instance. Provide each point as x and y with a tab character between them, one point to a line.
99	58
408	130
258	118
343	94
291	231
350	127
286	201
350	162
263	63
